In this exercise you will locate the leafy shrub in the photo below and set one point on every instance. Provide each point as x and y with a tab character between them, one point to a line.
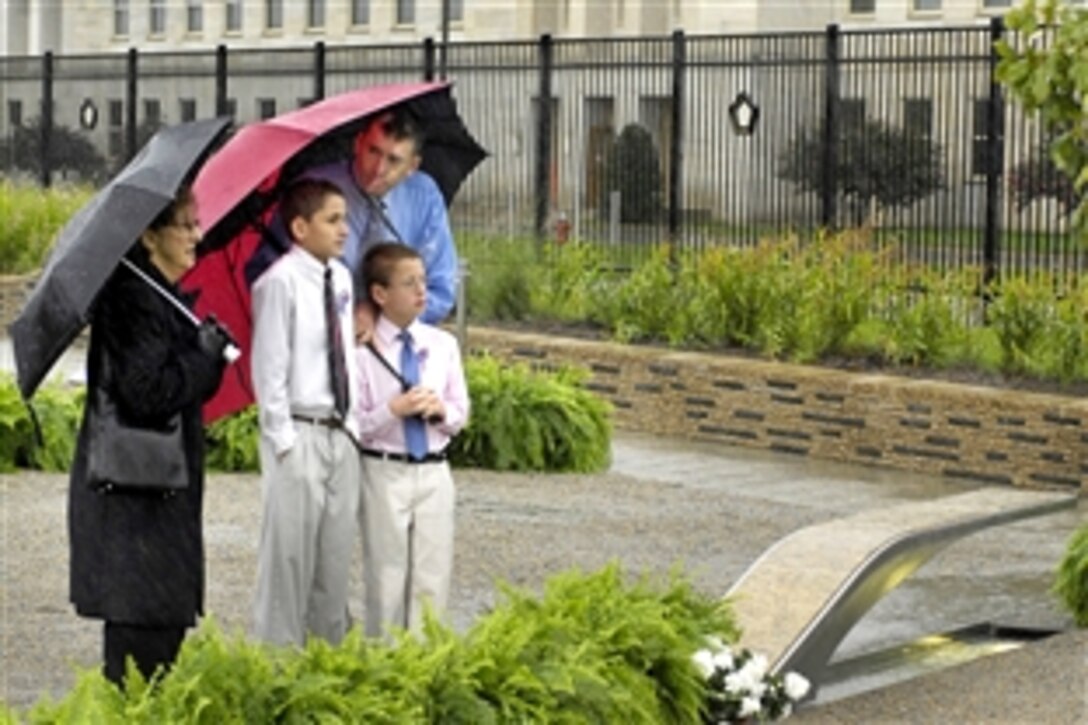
232	442
1021	313
592	648
31	222
877	164
69	152
1071	579
1039	177
633	169
59	411
498	285
532	421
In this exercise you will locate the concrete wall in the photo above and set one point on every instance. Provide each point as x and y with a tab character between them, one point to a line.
983	434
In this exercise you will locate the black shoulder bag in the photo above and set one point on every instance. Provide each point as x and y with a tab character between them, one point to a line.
129	457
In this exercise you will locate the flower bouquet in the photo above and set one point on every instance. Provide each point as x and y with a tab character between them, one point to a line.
740	688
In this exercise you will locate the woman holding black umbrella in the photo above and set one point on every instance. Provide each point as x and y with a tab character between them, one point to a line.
137	558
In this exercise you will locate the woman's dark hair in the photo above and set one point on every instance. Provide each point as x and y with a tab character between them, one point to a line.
166	217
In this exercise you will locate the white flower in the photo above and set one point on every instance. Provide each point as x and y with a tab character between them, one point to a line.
758	666
705	662
796	686
750	706
723	659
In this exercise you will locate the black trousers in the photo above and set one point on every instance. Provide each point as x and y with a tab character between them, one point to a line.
148	646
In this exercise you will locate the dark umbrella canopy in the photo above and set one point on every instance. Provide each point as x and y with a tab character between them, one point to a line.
93	241
238	188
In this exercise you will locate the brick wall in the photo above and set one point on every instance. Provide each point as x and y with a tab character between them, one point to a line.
985	434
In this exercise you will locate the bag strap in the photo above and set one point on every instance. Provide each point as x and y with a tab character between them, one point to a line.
386	364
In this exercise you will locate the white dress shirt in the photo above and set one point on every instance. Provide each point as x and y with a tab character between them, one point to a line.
290	363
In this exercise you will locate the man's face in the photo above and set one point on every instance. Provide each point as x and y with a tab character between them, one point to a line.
382	161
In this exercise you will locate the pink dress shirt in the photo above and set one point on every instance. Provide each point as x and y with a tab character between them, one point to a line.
440	370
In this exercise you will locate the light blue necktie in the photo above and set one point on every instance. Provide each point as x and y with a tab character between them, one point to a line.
415	432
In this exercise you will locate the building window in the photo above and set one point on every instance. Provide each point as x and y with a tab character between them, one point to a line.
231	108
980	141
927	5
152	112
315	14
859	7
918	116
996	3
234	16
303	102
115	114
187	109
273	14
852	112
266	108
120	17
406	12
194	16
457	11
156	22
360	12
15	113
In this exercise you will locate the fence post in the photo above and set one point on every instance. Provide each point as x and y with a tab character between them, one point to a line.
544	139
995	153
444	58
221	80
46	126
828	187
428	59
130	103
676	150
319	70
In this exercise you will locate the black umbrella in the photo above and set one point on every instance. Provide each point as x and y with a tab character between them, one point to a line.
93	242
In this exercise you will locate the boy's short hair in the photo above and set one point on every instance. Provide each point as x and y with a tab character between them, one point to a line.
304	197
379	261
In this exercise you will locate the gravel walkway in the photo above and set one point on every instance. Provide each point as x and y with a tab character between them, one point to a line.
664	503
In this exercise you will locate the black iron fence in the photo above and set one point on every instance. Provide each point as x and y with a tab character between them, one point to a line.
701	140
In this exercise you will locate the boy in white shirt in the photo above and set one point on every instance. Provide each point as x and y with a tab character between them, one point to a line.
412	399
304	381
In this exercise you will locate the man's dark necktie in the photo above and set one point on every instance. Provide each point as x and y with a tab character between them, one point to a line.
415	432
338	372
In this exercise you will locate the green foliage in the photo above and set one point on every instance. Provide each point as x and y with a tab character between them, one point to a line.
633	169
1044	63
876	164
59	411
568	282
532	421
69	152
16	427
1071	578
1038	177
593	648
1020	314
498	286
32	220
925	318
232	442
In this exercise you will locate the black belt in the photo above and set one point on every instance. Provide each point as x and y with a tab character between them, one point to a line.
403	457
331	422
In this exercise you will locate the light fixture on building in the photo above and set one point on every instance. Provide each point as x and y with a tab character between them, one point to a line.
88	114
743	114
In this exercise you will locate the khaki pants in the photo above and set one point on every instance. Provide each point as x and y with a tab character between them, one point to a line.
308	533
407	521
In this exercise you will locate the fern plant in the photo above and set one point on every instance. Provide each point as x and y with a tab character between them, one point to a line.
1071	579
532	421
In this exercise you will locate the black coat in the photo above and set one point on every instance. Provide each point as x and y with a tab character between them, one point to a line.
138	558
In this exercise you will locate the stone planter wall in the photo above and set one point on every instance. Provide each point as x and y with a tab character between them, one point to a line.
984	434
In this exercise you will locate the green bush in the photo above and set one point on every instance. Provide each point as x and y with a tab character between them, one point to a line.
70	152
58	410
1071	579
633	169
31	222
232	442
593	648
532	421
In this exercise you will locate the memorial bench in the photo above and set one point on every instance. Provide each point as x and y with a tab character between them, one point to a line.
798	601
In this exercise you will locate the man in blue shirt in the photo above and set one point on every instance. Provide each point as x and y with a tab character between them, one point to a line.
390	199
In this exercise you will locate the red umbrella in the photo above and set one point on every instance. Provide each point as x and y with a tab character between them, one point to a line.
237	188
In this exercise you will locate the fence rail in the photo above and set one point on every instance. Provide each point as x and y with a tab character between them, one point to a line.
751	136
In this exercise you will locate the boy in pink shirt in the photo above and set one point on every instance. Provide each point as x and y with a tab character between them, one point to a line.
412	399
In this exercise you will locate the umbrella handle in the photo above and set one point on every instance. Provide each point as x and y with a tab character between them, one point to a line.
230	352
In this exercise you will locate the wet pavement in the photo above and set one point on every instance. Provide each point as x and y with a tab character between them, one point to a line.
997	578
